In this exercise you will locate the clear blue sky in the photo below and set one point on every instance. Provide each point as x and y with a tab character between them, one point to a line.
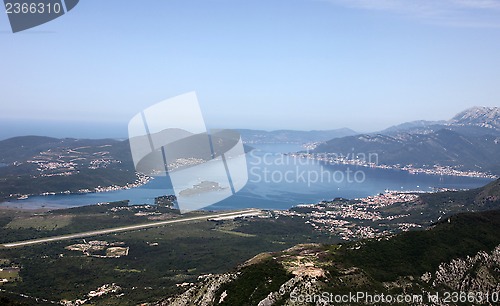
271	64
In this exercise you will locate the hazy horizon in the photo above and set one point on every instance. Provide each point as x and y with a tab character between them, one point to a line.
118	130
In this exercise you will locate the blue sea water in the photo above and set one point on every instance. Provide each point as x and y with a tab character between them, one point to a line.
276	181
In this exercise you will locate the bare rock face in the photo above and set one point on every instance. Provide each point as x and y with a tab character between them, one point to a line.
474	273
309	274
479	116
203	294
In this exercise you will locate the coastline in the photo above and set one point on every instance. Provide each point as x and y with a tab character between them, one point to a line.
435	170
141	180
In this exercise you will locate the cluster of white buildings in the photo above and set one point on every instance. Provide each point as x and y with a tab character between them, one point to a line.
102	163
66	162
390	198
442	170
356	219
141	179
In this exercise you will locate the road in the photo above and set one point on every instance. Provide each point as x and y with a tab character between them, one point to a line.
126	228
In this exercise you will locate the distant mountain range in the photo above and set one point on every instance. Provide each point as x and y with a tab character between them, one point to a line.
473	121
487	117
292	136
469	141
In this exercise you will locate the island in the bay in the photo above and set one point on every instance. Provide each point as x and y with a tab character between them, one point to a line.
202	187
